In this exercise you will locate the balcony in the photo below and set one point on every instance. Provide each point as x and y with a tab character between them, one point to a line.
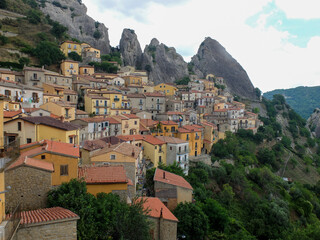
67	116
197	137
33	78
116	99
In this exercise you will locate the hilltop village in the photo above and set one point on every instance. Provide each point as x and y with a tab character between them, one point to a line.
107	129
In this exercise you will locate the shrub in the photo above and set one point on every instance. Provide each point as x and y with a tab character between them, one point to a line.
24	61
58	30
97	34
75	56
3	40
34	16
48	53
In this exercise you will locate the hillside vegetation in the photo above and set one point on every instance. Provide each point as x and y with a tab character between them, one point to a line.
302	99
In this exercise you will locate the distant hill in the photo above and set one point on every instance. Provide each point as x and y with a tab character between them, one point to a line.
302	99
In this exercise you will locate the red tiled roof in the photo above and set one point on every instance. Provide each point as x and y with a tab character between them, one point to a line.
154	94
10	114
103	174
143	128
112	120
123	148
168	122
171	140
152	140
136	137
170	178
130	116
25	160
46	215
148	122
80	112
155	208
55	147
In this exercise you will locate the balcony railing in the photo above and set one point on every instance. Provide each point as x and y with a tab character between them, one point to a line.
35	78
197	137
116	99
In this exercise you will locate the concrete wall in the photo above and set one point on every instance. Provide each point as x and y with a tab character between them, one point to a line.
66	230
29	186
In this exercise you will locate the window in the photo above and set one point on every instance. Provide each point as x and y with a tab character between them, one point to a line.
70	139
160	160
170	148
179	150
43	156
187	136
112	157
40	114
167	91
69	45
135	122
75	47
64	170
29	140
19	126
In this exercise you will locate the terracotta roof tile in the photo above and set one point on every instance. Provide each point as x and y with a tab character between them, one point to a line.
154	94
53	146
171	140
131	116
10	114
155	208
148	122
25	160
46	215
80	112
152	140
126	138
168	122
91	145
103	174
123	148
170	178
174	113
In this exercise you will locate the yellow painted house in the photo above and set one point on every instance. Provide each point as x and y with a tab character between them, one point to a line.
63	156
62	109
68	46
154	150
53	89
86	70
165	128
166	88
95	51
69	68
132	80
96	104
32	129
130	123
192	134
7	75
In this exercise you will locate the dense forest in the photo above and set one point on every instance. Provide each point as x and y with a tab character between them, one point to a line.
302	99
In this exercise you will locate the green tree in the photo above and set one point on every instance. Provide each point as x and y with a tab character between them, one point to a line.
183	81
193	223
75	56
24	61
48	53
58	30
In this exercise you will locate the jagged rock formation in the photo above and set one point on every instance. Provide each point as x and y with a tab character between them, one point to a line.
73	14
164	64
212	58
130	49
314	122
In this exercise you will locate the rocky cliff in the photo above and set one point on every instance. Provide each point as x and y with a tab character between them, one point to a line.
163	63
314	122
130	49
73	14
213	58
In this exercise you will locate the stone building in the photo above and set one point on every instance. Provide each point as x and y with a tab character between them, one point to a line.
164	223
47	223
171	189
24	177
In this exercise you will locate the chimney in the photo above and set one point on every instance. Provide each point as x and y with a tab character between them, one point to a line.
164	175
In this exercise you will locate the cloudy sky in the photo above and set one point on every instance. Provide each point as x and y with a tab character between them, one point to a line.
276	41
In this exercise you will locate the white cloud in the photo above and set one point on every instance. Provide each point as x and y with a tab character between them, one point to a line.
269	59
306	9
